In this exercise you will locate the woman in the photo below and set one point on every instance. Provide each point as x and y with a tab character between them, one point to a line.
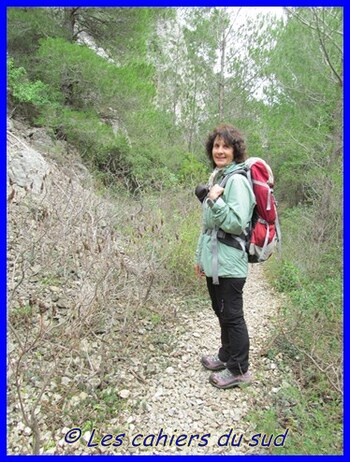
220	256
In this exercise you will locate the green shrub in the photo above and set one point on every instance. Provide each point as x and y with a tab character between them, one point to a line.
22	91
26	26
183	245
313	422
89	81
311	332
289	277
98	145
192	171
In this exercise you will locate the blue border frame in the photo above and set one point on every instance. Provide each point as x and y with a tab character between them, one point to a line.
168	3
144	3
3	240
345	196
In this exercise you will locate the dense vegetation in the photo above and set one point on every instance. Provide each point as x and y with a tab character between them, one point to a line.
138	104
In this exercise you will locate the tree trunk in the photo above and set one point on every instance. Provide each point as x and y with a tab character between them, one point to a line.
69	19
222	77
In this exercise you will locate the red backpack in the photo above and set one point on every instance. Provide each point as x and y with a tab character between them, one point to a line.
263	235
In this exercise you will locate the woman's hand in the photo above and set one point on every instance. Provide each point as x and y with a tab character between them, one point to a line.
215	192
198	271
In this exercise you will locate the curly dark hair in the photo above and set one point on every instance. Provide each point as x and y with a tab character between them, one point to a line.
233	137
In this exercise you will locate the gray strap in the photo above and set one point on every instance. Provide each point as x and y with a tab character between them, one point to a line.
278	233
268	207
214	250
242	243
260	183
249	177
215	262
265	242
240	171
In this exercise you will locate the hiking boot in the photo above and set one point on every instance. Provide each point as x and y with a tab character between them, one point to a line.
213	363
226	379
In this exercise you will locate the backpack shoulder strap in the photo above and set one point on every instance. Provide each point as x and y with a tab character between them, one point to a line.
240	171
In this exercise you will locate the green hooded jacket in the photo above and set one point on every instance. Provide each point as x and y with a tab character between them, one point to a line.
231	212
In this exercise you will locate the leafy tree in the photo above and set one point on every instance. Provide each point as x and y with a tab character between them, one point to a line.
304	111
26	27
122	32
72	69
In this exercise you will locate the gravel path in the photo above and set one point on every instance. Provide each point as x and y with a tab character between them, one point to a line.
179	400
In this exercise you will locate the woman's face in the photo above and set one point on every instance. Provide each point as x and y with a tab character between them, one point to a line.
222	153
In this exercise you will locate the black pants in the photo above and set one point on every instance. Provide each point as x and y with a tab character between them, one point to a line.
227	302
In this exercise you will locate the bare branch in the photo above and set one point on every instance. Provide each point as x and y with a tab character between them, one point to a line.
293	12
323	46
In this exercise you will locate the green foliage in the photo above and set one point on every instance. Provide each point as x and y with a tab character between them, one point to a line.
26	26
21	313
303	119
325	296
312	333
310	296
50	280
192	171
305	126
72	69
146	314
121	31
26	93
311	268
180	260
289	277
95	140
123	91
311	420
156	155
